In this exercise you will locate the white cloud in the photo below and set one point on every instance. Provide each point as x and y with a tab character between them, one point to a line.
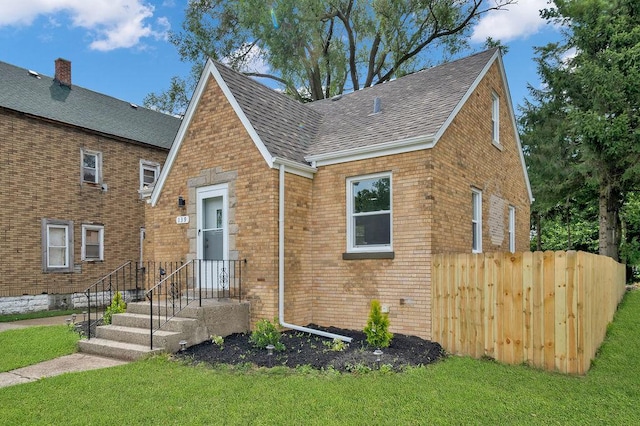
112	24
519	20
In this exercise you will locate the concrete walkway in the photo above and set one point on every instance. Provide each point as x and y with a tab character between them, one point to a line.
65	364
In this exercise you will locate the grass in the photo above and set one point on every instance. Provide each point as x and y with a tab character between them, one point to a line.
455	391
34	315
27	346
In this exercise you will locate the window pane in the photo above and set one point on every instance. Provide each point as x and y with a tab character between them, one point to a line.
92	237
57	257
89	175
474	231
89	160
92	251
373	230
149	176
57	237
371	195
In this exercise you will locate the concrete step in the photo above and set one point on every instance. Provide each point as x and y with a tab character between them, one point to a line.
140	336
118	350
165	309
177	324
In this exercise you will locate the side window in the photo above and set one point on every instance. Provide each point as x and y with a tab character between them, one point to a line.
57	245
91	166
495	118
92	243
476	221
512	229
369	218
149	172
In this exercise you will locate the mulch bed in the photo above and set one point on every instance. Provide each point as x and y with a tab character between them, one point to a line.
303	349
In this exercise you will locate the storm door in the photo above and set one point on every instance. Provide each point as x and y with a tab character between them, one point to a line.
212	241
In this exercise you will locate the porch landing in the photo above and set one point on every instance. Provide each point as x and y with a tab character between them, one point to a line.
128	337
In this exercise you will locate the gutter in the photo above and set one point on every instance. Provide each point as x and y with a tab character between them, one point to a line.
281	271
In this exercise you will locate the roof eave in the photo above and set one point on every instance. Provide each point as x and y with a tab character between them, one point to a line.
372	151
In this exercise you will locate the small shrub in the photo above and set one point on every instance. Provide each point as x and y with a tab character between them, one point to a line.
217	340
377	328
117	307
267	333
336	345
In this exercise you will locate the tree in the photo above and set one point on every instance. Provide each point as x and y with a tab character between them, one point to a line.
597	94
317	49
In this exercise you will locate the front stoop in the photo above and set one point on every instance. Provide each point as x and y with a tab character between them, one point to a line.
128	336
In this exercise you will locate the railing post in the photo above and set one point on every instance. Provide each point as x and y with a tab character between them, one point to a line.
200	282
151	320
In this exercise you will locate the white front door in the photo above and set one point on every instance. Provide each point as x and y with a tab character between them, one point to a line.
213	237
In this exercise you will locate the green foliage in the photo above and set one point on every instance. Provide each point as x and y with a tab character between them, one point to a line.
336	345
630	214
582	130
218	341
377	328
267	333
317	49
117	307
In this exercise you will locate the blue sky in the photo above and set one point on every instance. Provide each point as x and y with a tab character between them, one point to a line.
120	47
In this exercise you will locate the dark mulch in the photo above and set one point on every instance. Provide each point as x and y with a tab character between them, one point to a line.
303	349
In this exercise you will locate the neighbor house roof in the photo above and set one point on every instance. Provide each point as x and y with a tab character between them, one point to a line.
415	110
35	94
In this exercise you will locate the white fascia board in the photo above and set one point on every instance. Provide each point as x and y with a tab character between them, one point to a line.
209	70
515	127
372	151
294	167
177	142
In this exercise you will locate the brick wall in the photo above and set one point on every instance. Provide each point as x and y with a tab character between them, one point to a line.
218	150
465	158
40	178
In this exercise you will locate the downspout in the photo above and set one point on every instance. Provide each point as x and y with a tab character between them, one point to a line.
281	272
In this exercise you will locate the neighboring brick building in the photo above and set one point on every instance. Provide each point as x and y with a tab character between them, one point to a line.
73	163
342	201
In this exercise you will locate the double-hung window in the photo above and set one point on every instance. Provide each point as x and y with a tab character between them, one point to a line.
512	229
91	166
476	221
92	242
369	217
57	245
149	172
495	119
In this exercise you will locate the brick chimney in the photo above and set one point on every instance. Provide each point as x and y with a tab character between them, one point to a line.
63	72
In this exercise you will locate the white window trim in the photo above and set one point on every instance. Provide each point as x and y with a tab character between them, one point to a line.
495	120
378	248
476	217
100	229
148	165
98	156
512	229
48	224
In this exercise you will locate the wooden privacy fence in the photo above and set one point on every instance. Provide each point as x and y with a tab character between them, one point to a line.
547	309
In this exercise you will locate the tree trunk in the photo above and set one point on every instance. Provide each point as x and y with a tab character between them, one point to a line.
538	232
610	227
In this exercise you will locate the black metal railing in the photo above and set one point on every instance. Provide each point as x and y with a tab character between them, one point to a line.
124	279
193	281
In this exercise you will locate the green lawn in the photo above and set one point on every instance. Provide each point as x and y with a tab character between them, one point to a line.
27	346
39	314
455	391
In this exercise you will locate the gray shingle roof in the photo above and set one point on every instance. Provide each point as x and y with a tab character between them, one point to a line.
415	105
43	97
286	126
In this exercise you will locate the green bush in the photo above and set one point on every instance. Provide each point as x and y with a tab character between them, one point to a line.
117	307
266	333
377	328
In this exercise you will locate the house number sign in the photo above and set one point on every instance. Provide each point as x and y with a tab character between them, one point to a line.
182	219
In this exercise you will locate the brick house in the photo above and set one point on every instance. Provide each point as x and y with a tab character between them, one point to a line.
74	163
341	201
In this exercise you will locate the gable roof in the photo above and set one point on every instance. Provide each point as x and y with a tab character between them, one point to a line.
415	111
416	105
38	95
